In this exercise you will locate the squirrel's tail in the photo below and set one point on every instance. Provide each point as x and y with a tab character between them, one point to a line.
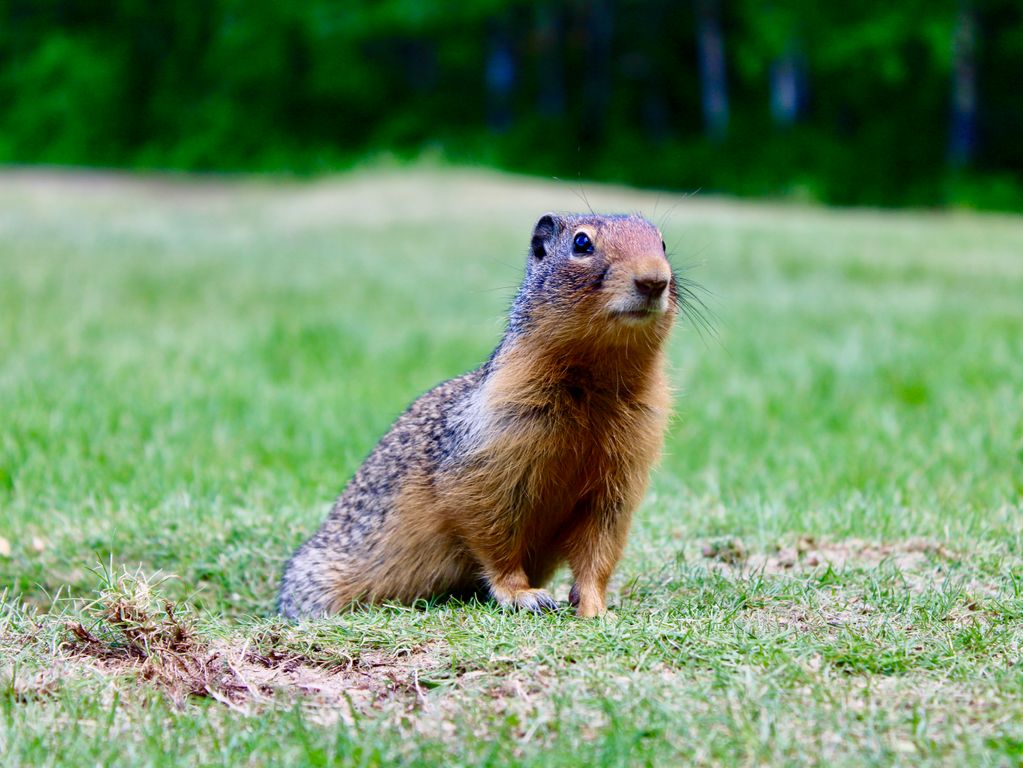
304	591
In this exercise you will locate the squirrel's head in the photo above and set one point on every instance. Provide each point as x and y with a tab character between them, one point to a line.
597	277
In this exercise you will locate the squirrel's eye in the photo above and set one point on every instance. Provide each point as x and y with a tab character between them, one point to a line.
582	244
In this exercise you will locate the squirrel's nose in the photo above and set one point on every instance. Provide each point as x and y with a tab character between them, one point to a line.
651	287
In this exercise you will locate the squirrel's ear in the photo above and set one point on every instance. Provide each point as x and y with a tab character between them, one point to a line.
547	228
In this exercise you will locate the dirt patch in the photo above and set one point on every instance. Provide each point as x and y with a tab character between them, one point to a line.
809	553
35	685
184	666
237	675
130	630
127	631
908	569
367	680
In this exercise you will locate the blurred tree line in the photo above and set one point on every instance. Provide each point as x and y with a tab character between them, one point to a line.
877	102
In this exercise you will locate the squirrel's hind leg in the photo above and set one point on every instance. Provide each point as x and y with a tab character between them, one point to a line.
511	589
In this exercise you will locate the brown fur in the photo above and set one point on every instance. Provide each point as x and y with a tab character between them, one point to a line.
539	457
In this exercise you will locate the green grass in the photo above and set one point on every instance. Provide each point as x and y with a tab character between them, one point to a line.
828	567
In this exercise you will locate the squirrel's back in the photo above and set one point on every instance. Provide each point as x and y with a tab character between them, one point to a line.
492	479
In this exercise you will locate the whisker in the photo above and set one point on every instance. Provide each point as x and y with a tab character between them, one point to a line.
497	288
688	301
586	200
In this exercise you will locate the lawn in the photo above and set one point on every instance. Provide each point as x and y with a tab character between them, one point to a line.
828	568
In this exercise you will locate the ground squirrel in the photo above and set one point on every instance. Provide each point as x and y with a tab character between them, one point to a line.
491	480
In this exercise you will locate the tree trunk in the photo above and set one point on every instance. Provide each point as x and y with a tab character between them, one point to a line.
710	46
962	130
788	75
550	100
500	78
597	83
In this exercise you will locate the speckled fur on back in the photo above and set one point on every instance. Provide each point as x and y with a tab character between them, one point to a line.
492	479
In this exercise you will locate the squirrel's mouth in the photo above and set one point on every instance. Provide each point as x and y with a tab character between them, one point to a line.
640	315
639	310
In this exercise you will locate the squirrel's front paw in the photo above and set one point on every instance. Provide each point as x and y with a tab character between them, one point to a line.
532	600
588	604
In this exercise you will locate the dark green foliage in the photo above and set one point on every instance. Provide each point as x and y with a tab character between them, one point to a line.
594	90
